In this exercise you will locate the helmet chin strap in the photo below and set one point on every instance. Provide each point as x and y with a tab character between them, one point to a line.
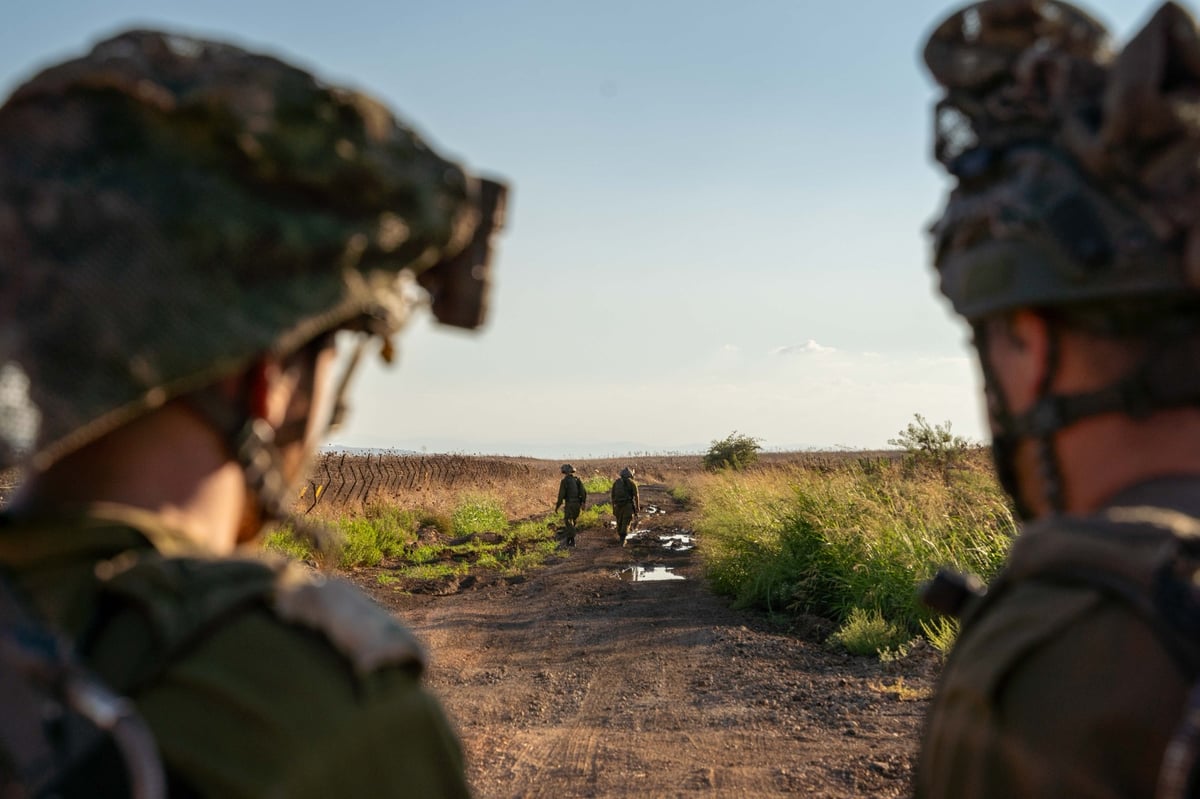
1010	429
1169	377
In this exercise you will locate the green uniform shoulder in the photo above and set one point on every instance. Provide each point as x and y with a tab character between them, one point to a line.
265	678
187	597
1059	628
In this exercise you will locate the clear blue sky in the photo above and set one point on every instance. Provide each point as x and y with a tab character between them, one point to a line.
717	222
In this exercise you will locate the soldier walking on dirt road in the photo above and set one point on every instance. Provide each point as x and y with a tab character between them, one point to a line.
184	228
1071	246
625	502
571	493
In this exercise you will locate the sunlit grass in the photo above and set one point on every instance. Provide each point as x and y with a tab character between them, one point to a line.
597	484
415	542
850	544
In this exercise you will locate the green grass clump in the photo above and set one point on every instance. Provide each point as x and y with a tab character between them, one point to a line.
283	541
597	484
942	632
833	542
483	538
429	571
534	530
478	513
869	633
592	516
382	531
683	494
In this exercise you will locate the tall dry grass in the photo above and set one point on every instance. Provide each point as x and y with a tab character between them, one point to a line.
862	536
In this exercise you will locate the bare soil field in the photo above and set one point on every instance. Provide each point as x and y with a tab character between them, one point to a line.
592	678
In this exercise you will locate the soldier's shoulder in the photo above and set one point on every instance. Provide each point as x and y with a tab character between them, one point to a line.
1059	576
188	598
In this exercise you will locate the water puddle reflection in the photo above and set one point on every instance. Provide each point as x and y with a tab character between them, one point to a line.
645	574
676	542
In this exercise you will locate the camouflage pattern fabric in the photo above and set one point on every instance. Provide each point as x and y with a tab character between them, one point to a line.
572	496
624	495
257	679
1051	634
171	208
1077	168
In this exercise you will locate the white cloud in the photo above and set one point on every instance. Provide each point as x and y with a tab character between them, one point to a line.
807	348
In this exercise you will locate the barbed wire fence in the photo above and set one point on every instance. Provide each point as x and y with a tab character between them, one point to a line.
341	478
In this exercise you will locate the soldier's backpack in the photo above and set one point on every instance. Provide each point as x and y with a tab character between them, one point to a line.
622	490
1163	590
63	733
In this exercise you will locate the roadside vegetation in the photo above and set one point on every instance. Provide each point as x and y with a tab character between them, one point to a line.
474	533
843	536
735	451
853	543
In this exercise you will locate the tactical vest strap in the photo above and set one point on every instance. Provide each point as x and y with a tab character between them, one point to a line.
59	719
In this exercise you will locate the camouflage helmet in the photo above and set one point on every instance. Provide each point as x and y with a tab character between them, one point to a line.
568	468
627	472
172	208
1078	170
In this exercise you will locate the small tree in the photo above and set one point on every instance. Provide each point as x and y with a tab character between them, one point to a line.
735	451
930	445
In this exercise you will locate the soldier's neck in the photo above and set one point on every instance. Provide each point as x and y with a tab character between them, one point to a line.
168	463
1103	455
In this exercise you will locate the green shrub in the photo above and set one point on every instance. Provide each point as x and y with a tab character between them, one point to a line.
735	451
931	445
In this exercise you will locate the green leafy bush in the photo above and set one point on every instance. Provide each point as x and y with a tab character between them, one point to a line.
735	451
931	445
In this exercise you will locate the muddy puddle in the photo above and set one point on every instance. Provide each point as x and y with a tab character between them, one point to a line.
676	541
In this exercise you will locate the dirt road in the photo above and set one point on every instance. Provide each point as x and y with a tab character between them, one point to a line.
580	682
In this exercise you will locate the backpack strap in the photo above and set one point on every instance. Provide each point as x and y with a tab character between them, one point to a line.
62	731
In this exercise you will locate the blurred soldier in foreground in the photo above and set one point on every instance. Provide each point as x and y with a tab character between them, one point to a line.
184	227
571	493
1071	245
625	505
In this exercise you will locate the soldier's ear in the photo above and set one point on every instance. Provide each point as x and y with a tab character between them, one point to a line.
268	390
1018	349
